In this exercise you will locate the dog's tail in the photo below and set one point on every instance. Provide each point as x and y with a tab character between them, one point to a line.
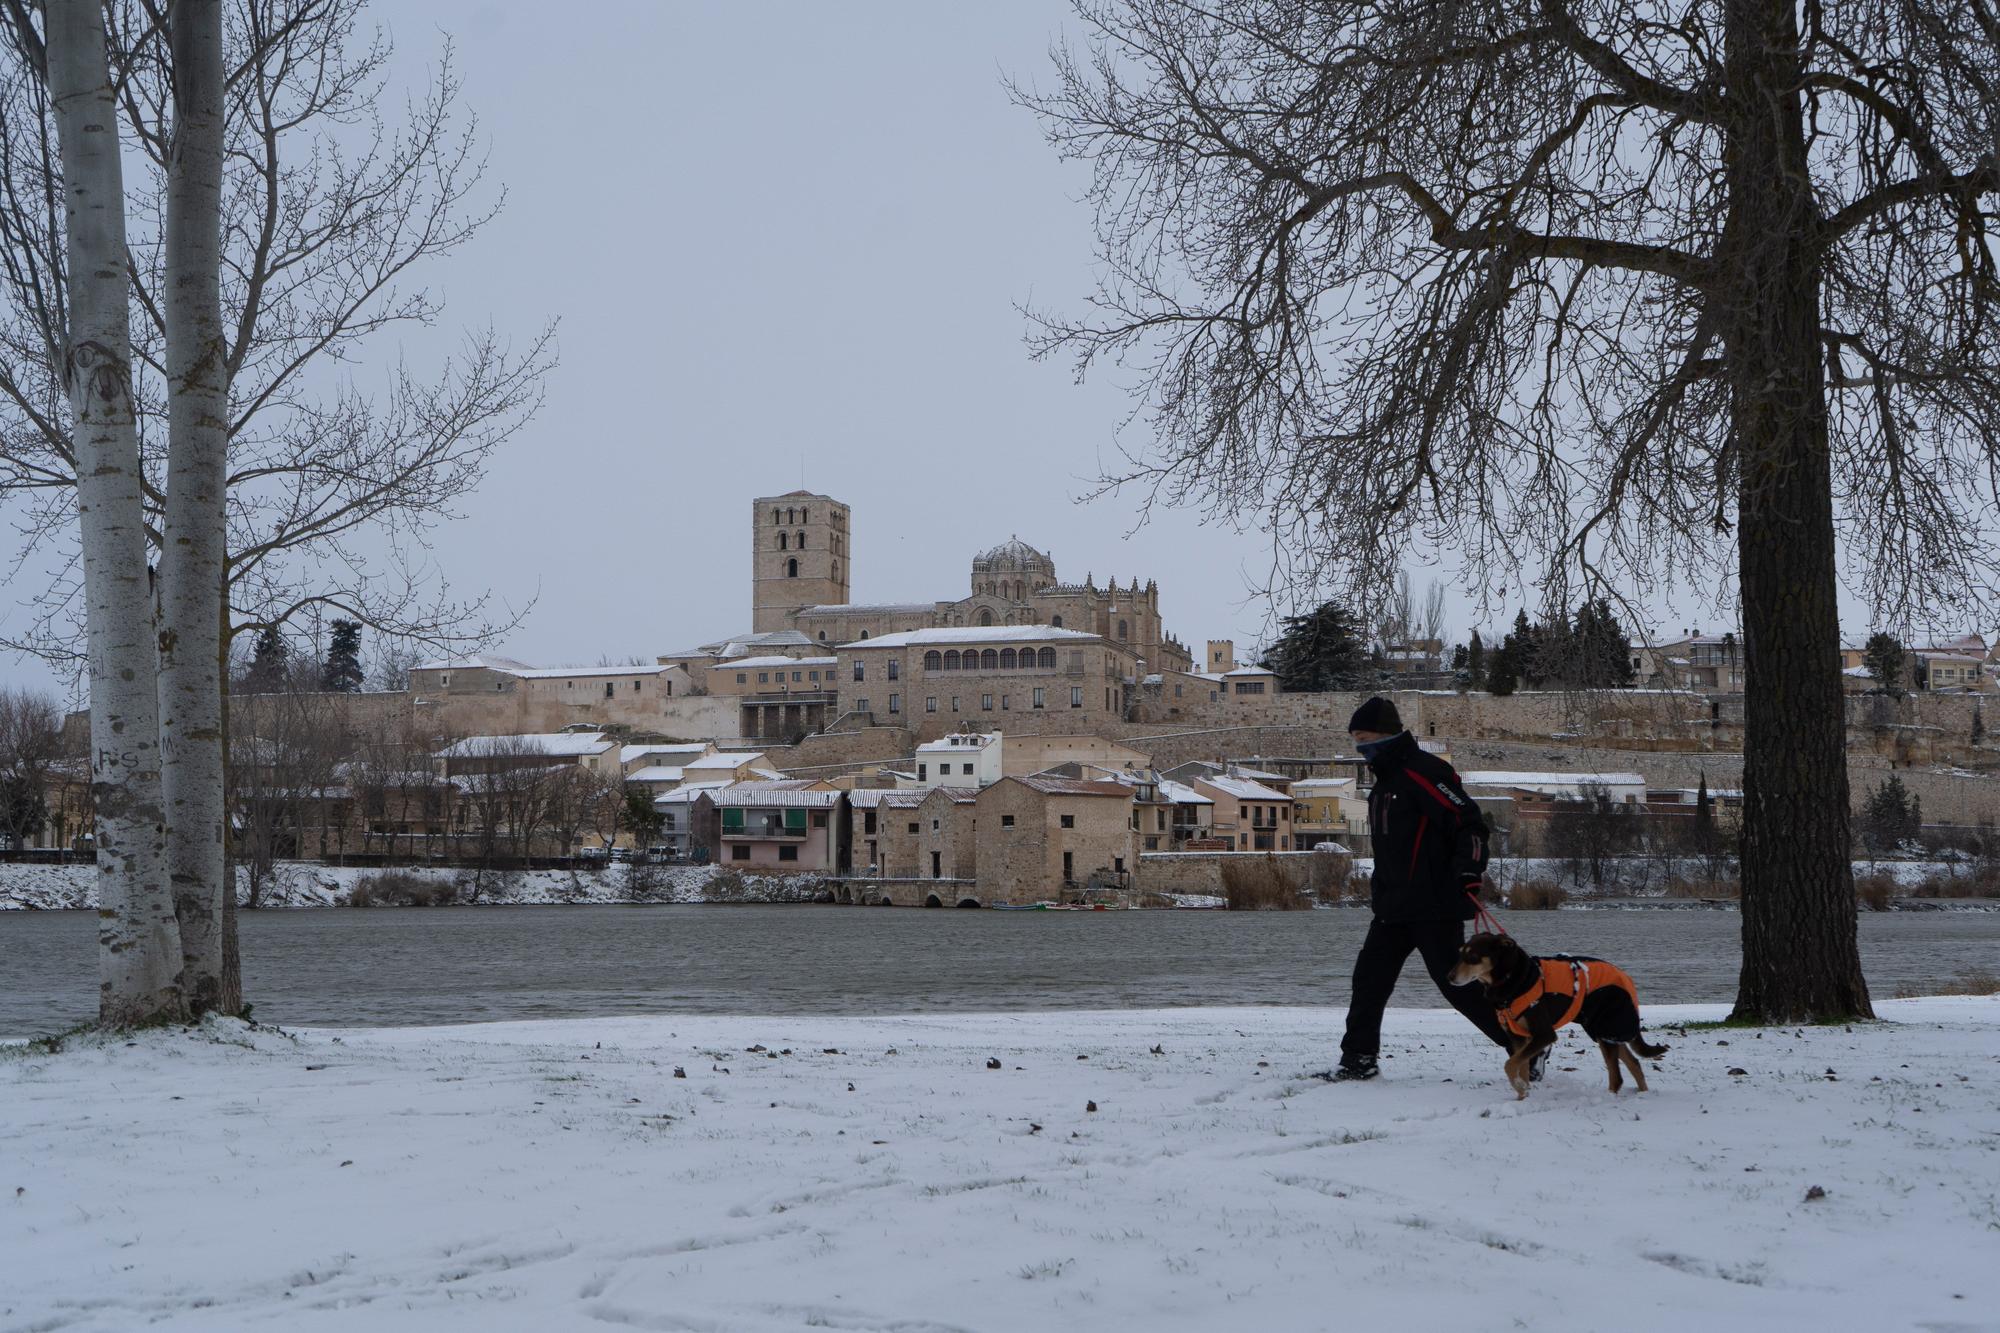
1645	1048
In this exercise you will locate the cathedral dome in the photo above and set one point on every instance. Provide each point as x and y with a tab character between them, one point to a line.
1013	556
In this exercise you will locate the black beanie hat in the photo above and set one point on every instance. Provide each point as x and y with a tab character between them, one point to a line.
1378	714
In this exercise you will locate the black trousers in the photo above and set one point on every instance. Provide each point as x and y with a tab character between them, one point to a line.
1380	962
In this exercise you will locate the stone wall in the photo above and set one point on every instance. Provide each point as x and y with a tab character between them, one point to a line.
1201	872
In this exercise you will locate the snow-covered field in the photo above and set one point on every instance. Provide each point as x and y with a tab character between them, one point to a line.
877	1174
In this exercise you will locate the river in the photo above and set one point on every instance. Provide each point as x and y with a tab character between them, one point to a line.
346	968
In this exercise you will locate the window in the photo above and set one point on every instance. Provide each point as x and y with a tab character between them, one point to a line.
989	660
1123	633
740	852
895	669
1069	821
802	541
763	678
933	660
1243	812
444	681
1055	622
913	826
860	671
609	687
742	678
805	516
1076	696
815	675
785	853
934	826
1006	659
1006	821
860	705
1040	694
1006	702
951	660
784	541
1249	687
791	569
895	703
986	703
776	517
1046	660
954	703
868	822
930	703
1118	864
923	772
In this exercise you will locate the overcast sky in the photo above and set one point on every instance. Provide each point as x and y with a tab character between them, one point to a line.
786	244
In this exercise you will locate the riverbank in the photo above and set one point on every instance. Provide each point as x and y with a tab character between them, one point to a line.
1165	1170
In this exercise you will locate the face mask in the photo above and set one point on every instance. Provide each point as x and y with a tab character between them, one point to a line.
1369	749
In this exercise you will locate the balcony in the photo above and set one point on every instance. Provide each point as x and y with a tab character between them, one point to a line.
765	826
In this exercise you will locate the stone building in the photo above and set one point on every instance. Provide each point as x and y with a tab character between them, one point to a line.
933	681
1049	837
801	562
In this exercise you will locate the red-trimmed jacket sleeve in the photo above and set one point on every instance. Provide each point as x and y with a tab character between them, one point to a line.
1441	788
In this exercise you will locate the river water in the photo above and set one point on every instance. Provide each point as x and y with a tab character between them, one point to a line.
346	968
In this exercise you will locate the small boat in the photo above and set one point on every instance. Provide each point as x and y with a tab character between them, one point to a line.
1020	907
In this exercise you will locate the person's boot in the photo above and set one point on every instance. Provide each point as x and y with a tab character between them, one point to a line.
1538	1064
1352	1069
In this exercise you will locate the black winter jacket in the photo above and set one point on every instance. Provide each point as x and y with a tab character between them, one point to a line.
1430	839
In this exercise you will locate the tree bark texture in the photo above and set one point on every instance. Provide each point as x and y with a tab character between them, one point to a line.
139	950
193	551
1800	955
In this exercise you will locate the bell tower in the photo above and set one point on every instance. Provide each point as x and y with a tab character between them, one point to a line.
798	557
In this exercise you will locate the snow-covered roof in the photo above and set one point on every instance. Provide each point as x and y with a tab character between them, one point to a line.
689	793
556	673
629	753
1311	786
924	638
555	744
867	798
768	774
1250	671
1050	785
728	760
774	795
1503	778
656	773
1181	794
1243	789
962	741
472	662
751	663
1935	655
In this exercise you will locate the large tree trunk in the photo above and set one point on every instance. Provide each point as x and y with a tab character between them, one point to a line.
139	948
192	556
1800	958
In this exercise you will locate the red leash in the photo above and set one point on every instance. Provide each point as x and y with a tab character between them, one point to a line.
1483	919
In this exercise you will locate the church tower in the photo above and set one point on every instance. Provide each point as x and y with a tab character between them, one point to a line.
798	557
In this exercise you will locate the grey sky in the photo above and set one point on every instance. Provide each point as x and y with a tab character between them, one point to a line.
786	243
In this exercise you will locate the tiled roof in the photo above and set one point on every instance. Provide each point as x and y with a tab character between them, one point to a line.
867	798
556	744
775	795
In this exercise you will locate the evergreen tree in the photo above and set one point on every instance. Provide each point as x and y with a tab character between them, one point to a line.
270	661
1891	817
1525	643
1322	650
1978	724
1475	662
342	673
1503	668
1883	657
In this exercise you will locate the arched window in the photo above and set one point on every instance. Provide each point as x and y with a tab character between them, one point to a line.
805	516
776	517
1055	622
802	541
989	660
933	660
951	660
783	542
792	572
822	636
1006	659
836	569
1122	632
864	634
1020	591
985	615
1048	659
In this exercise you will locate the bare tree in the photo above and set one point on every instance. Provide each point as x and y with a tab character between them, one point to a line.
289	752
331	216
193	555
88	350
30	746
1586	291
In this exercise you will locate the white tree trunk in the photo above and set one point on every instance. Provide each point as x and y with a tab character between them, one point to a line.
192	569
139	949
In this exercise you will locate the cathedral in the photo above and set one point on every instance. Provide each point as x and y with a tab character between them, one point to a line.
800	561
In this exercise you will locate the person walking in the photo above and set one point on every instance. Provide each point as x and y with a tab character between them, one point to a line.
1430	858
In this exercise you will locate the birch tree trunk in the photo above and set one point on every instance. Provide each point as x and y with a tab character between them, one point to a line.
139	949
192	555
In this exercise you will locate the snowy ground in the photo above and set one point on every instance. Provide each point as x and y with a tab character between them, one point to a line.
876	1174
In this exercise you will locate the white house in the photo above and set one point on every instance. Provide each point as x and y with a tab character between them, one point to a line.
964	759
1620	788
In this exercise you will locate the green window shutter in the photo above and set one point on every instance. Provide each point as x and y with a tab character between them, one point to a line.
795	820
732	820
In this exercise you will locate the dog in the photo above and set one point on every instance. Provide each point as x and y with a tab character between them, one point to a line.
1535	996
